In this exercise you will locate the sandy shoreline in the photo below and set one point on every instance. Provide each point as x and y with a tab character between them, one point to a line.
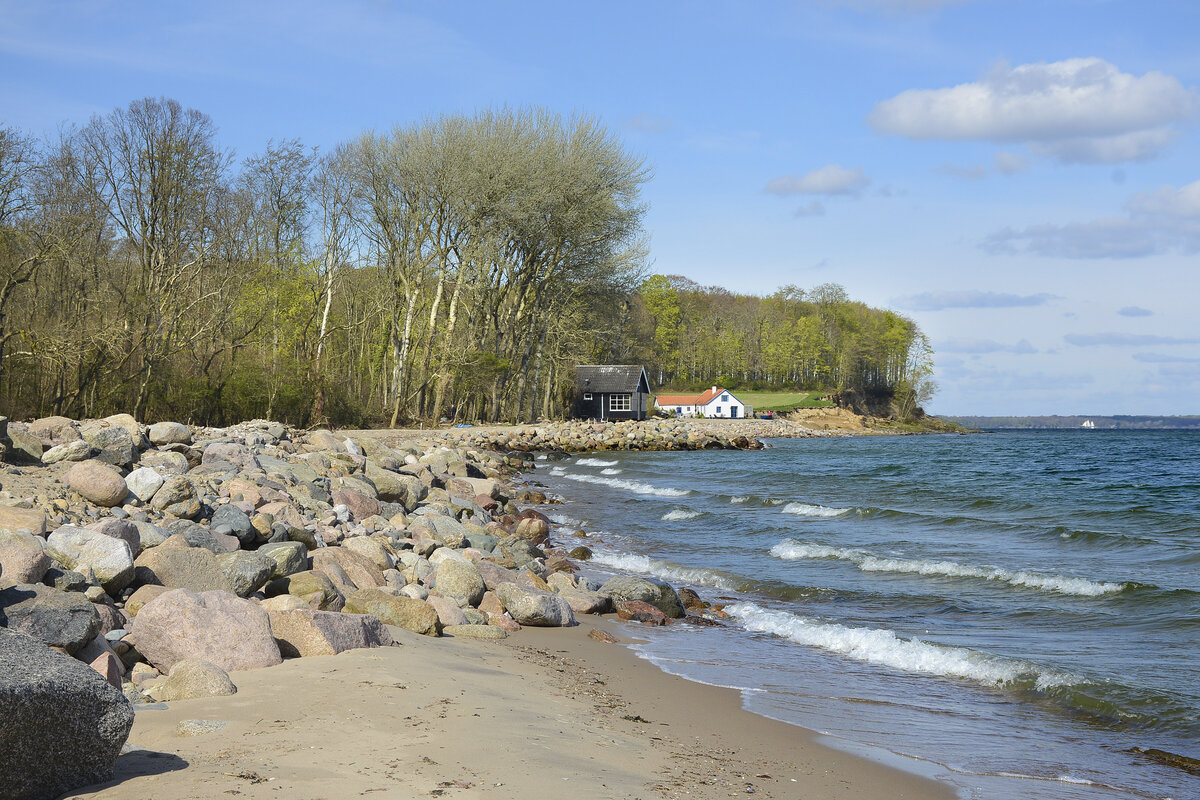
543	713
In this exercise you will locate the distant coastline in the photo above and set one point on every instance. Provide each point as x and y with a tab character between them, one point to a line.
1112	422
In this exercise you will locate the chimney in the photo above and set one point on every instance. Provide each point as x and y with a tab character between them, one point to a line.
714	390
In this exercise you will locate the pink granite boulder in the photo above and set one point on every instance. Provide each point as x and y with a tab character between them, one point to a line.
214	626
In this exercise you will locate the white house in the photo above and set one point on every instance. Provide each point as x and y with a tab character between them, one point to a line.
716	402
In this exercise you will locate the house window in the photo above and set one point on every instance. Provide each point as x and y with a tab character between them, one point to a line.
618	402
587	395
718	411
724	398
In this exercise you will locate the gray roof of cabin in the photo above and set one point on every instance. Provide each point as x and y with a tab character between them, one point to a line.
610	378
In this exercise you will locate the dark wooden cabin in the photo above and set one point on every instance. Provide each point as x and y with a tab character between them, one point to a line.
610	391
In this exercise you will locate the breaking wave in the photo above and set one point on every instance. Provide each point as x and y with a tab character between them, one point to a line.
611	471
791	550
628	562
595	462
637	487
809	510
679	514
884	648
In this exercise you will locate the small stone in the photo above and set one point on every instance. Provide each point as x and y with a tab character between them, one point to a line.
602	636
192	678
97	482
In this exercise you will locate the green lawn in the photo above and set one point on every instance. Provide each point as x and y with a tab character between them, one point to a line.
782	401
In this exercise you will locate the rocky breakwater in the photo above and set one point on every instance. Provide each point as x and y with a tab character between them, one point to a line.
653	434
167	557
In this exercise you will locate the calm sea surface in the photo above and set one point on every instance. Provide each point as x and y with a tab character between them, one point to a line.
1013	613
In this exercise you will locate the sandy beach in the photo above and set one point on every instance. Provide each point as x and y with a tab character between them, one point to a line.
543	713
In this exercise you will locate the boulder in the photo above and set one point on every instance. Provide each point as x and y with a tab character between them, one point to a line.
361	506
121	529
361	572
22	557
475	631
115	444
313	587
239	455
459	580
191	568
246	572
448	611
143	482
97	482
109	559
370	549
30	520
403	612
231	517
165	461
289	558
648	590
192	678
639	611
169	433
26	448
535	531
55	431
214	626
64	725
394	487
144	594
78	450
177	496
60	619
535	607
306	632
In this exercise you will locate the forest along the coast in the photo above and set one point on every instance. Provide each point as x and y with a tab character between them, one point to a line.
460	266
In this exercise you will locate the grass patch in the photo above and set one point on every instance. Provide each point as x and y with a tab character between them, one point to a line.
782	401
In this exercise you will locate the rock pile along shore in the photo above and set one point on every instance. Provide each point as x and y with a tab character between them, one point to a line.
651	434
165	557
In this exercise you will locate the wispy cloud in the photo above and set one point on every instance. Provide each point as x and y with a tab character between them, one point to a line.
1124	340
984	346
968	172
1161	358
831	179
814	209
1135	311
1007	163
940	301
1165	219
649	123
1077	110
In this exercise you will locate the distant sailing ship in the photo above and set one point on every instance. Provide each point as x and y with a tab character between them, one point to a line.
1088	424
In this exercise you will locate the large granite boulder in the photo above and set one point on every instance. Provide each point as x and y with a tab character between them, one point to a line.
312	587
246	572
71	451
289	558
60	619
233	521
143	482
115	443
63	725
360	570
239	455
459	580
97	482
192	678
361	505
23	558
183	568
109	558
535	607
177	496
30	520
121	529
213	626
55	431
306	632
403	612
648	590
169	433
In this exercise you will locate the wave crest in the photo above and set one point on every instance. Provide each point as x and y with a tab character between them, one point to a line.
810	510
637	487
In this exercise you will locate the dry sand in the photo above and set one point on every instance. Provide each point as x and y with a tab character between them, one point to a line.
545	713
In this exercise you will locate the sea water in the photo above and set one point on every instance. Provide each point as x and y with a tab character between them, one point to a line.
1016	613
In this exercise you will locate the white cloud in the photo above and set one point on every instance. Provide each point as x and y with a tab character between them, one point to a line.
940	301
1124	339
831	179
1135	311
1161	358
1167	201
1008	163
1078	110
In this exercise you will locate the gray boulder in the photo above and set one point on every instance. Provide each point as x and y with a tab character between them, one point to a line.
143	483
170	433
306	632
177	496
535	607
115	444
78	450
64	725
246	572
22	556
109	559
184	568
648	590
192	678
289	558
459	580
233	518
60	619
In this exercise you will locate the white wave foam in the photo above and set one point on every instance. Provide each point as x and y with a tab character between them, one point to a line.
558	472
565	521
628	562
739	499
595	462
678	514
809	510
791	550
637	487
611	471
884	648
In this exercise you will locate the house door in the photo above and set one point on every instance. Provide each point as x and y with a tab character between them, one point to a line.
733	412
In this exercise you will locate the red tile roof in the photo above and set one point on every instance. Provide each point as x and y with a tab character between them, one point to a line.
676	399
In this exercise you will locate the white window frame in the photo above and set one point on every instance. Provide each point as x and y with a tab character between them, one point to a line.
587	395
625	402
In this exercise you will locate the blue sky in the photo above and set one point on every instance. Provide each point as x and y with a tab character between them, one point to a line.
1021	178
